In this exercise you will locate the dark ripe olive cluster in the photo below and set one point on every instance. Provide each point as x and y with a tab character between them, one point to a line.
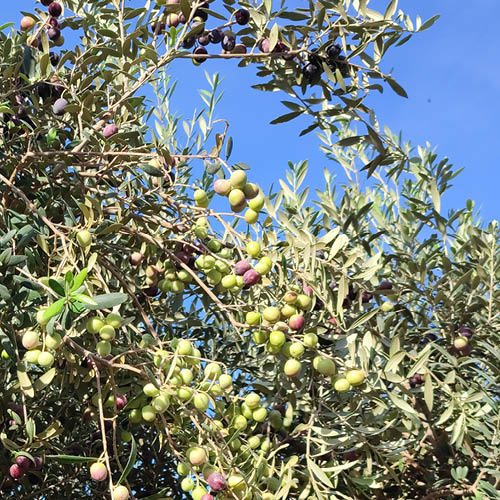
227	39
53	28
332	57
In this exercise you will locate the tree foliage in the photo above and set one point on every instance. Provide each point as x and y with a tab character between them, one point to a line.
334	345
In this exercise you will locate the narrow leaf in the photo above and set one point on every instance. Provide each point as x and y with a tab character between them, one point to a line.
130	463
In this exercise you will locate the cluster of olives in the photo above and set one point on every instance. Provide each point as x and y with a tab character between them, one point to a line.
106	329
24	464
36	356
182	379
280	329
332	57
227	39
54	27
99	473
235	420
240	193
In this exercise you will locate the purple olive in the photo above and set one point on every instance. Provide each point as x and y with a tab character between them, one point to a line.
333	51
121	401
157	27
200	50
16	472
385	285
216	36
416	380
46	3
24	462
109	130
242	16
465	331
203	38
187	43
54	58
239	48
55	9
217	481
241	267
228	41
251	277
59	106
264	45
54	34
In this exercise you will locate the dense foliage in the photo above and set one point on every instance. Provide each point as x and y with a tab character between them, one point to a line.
162	341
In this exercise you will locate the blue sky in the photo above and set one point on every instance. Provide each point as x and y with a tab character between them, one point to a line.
451	73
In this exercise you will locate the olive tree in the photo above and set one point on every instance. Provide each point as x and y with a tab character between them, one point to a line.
171	330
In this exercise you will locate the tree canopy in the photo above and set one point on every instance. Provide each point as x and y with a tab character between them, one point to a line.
170	330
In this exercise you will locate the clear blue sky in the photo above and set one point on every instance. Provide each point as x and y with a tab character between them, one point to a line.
451	73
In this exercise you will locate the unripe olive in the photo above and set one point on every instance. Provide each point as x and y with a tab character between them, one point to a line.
40	317
161	403
256	203
252	317
103	348
341	385
84	238
240	423
292	367
387	306
355	377
32	356
199	492
94	324
277	338
310	339
197	456
184	347
184	393
120	493
201	401
259	414
236	197
303	301
271	314
46	359
238	179
212	371
150	390
225	381
252	400
251	216
323	365
201	198
260	337
148	413
253	248
236	482
228	281
115	320
296	350
187	484
30	340
107	332
53	341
